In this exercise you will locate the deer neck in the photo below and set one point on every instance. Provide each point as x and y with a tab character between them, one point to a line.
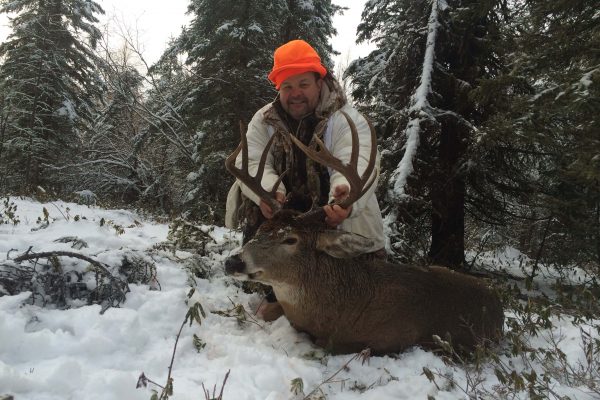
326	291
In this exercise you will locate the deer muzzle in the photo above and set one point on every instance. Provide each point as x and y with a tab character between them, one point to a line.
237	268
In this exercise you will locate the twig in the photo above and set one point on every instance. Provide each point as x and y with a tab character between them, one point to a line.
239	312
220	397
64	216
143	382
164	394
8	253
329	380
47	254
541	249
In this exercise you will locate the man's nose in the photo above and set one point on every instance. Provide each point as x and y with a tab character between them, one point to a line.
296	92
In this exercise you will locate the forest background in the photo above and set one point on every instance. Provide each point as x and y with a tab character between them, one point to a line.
487	115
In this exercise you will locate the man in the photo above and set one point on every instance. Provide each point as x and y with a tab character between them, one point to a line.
308	104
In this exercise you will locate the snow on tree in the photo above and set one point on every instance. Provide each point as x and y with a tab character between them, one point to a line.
48	79
228	50
309	20
418	83
548	133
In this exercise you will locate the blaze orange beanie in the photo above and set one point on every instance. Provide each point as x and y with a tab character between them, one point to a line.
293	58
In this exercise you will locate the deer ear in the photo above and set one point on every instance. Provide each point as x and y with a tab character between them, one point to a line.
341	244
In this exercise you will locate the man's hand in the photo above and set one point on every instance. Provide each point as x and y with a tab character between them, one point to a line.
266	209
336	214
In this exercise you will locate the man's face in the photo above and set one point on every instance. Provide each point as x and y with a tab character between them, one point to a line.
299	94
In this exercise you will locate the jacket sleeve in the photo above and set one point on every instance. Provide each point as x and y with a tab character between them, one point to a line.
257	136
341	148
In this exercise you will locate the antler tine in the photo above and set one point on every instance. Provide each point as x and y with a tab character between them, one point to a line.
254	183
359	185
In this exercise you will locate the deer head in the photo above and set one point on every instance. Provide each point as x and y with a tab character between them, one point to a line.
288	237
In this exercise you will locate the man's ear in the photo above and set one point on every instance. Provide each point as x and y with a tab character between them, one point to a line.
319	80
341	244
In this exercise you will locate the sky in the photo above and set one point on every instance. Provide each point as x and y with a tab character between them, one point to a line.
155	23
48	353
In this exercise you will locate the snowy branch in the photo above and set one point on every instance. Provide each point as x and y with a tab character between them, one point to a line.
420	109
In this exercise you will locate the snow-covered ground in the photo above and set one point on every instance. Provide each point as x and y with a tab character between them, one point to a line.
79	353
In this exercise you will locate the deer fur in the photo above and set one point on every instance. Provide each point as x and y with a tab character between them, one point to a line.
348	302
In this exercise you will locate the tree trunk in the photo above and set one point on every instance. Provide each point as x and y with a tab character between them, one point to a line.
448	226
448	201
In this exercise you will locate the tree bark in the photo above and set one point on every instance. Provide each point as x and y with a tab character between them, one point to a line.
447	193
448	226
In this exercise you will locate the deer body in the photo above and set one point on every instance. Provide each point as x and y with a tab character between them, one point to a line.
348	304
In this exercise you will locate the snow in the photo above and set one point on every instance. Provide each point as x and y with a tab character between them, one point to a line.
306	5
419	108
419	100
192	176
405	166
586	80
255	27
79	353
225	27
67	110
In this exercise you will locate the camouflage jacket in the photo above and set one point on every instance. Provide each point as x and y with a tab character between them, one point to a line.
307	182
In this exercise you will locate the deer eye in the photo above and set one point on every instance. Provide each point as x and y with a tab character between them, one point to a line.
290	240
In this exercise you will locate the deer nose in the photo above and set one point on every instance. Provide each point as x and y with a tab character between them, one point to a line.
234	264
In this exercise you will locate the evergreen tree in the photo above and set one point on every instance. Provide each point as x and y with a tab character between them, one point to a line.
551	128
48	78
225	48
310	21
228	49
419	82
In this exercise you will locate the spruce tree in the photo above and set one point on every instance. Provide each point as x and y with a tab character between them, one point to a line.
228	49
551	128
419	85
311	21
48	79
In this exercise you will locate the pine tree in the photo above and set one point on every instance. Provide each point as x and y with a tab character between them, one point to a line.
48	78
311	21
228	48
419	83
557	125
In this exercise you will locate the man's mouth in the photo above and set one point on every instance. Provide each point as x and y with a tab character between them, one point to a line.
297	102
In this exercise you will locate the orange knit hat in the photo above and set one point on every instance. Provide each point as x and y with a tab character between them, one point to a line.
293	58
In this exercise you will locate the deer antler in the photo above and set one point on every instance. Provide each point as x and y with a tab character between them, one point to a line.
254	182
359	185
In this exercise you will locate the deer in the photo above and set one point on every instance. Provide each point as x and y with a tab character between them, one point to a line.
348	301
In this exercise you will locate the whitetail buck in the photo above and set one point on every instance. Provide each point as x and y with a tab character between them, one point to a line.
345	300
